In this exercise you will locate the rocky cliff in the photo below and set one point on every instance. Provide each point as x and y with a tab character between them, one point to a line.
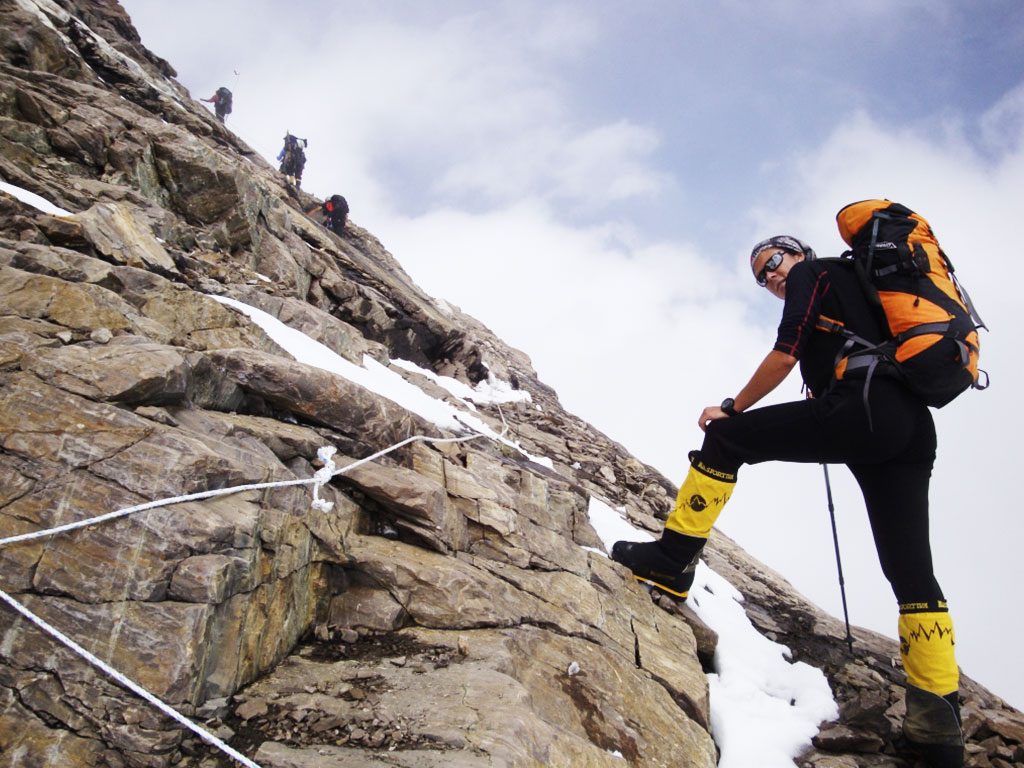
453	605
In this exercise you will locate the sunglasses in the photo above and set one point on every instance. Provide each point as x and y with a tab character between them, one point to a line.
769	266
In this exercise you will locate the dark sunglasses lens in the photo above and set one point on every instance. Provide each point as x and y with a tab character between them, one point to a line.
769	266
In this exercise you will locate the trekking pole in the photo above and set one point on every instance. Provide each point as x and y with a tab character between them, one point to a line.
839	562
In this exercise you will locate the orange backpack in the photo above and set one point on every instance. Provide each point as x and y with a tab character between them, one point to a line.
931	322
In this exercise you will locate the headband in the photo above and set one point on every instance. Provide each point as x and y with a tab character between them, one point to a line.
786	243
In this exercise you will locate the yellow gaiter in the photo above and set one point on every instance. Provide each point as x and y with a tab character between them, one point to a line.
700	499
926	647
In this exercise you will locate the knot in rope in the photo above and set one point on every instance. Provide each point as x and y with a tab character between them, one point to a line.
322	477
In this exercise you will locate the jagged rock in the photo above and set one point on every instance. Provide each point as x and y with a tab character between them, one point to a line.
432	614
1008	725
840	738
210	578
705	637
120	236
419	504
132	372
61	231
80	307
366	608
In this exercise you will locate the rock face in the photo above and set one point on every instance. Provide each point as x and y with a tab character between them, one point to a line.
452	608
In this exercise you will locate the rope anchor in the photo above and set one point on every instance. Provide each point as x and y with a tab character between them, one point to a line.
322	477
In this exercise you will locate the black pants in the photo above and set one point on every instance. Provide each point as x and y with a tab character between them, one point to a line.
891	461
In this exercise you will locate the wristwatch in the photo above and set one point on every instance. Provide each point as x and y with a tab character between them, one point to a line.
729	406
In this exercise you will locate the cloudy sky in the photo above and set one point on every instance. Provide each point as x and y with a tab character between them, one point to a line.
587	181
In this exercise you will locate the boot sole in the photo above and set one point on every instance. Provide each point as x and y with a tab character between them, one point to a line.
677	596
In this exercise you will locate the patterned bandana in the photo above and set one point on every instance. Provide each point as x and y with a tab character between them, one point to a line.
785	242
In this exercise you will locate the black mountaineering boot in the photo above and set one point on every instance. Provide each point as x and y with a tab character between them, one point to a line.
667	565
932	724
932	727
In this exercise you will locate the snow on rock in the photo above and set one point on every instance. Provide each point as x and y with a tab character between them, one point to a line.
764	708
31	198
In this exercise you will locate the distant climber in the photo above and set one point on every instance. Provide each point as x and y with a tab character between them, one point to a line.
221	101
335	213
293	158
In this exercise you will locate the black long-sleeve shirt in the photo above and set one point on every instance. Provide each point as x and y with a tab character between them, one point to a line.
822	288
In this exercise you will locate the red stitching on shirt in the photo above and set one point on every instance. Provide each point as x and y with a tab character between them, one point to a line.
792	348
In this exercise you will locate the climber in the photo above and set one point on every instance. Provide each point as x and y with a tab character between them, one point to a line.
221	101
293	158
891	458
334	213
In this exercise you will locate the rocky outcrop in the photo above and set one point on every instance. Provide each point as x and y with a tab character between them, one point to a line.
453	606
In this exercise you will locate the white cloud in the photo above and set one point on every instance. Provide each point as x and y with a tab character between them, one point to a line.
589	169
1002	127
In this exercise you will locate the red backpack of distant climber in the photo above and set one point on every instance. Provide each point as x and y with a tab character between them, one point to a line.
931	322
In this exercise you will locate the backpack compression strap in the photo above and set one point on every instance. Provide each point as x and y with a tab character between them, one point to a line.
870	357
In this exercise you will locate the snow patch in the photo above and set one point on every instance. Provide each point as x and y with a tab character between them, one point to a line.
494	390
765	709
374	377
31	198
